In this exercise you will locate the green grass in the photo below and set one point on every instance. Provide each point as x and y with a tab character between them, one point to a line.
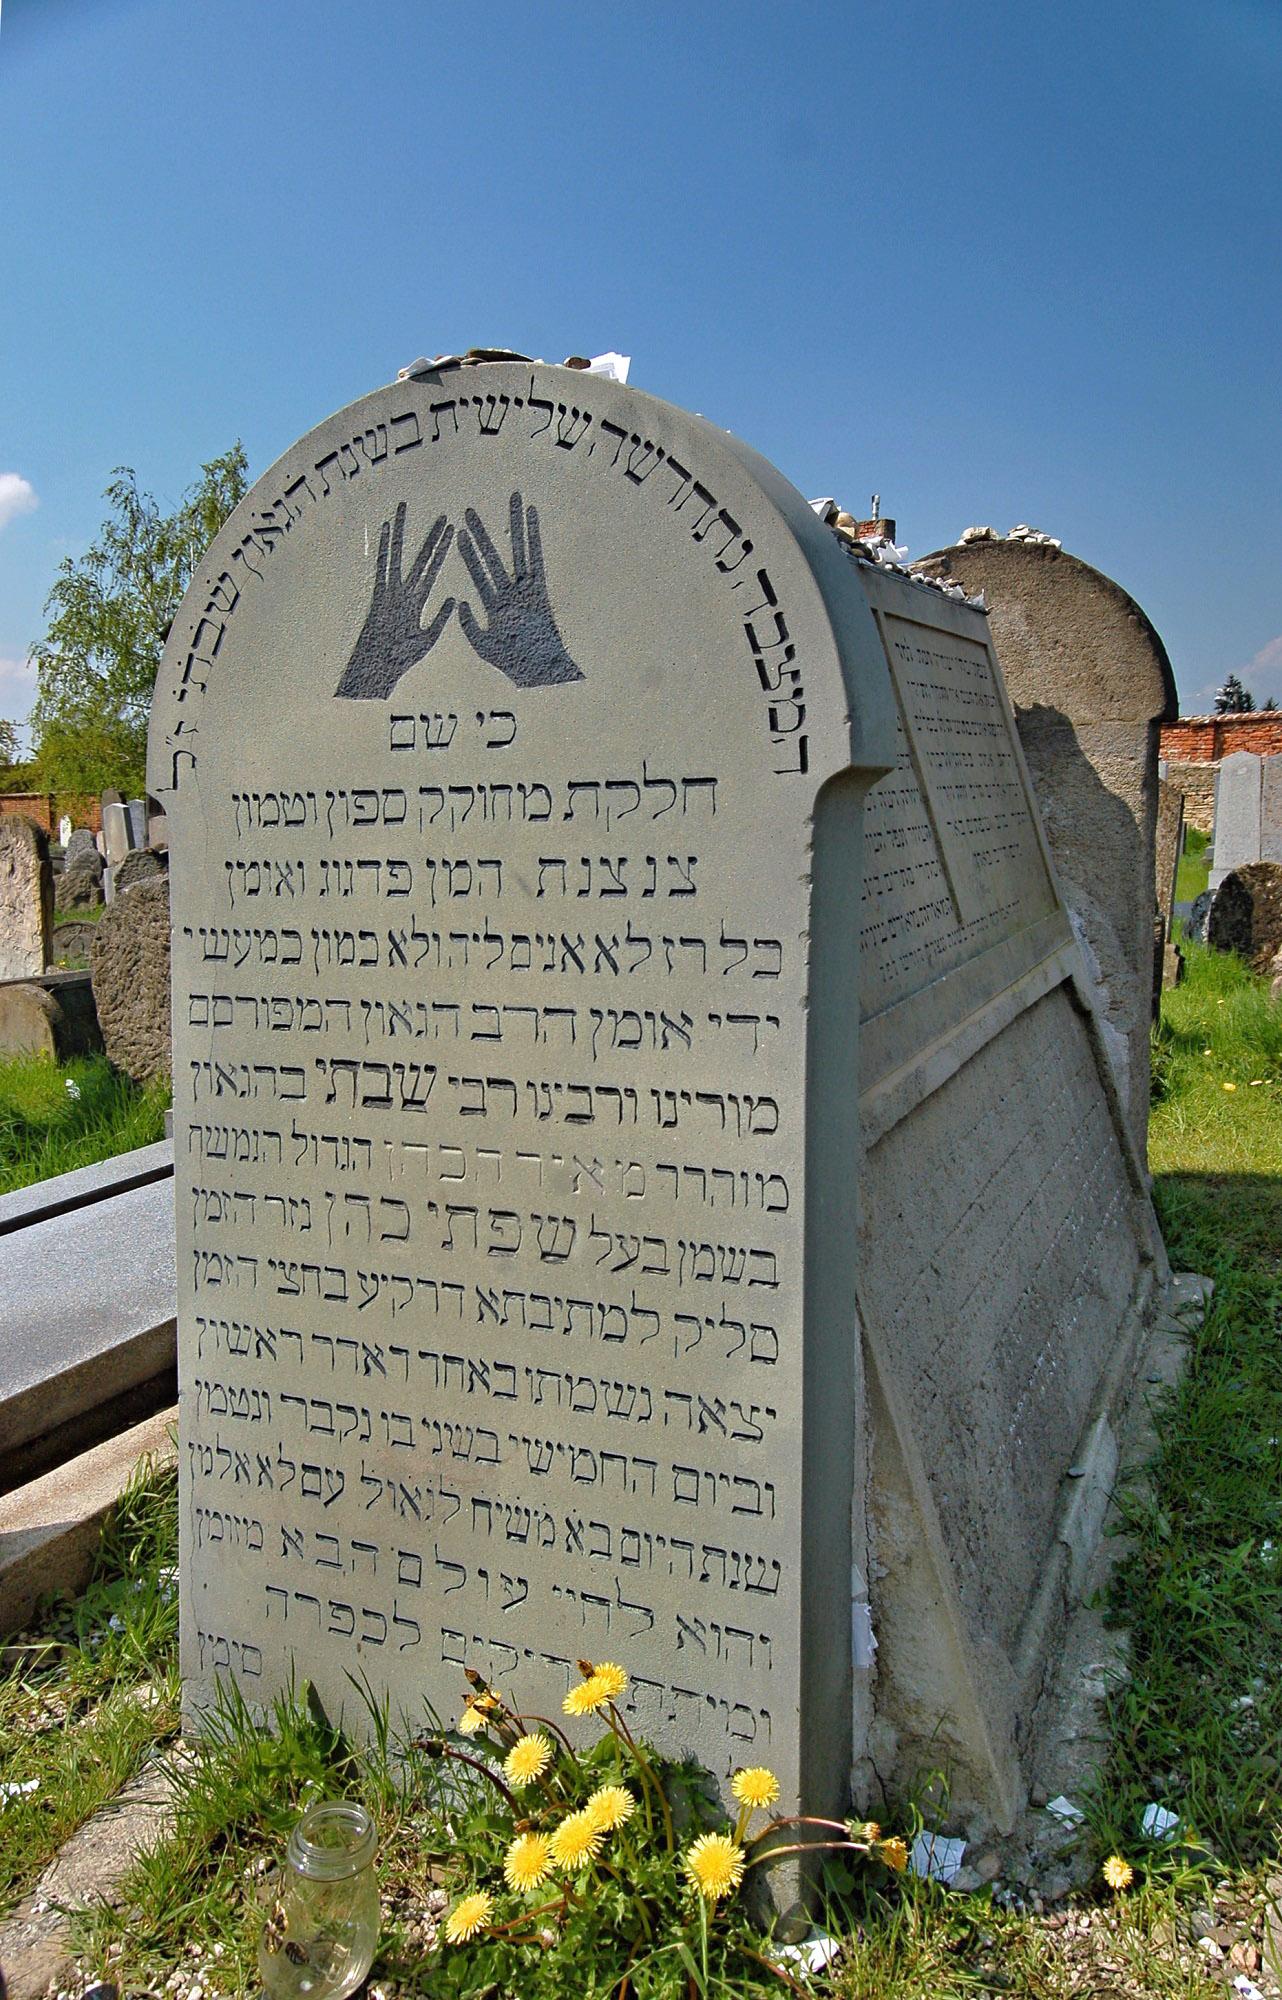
1194	868
54	1116
86	1695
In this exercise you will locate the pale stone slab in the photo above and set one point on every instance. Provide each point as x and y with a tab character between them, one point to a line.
515	1248
1239	788
1170	846
1271	810
26	898
1091	685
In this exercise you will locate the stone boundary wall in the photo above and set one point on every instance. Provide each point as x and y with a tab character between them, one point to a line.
47	808
1204	739
1197	782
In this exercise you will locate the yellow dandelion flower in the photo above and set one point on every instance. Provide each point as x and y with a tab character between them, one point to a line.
714	1866
894	1852
471	1720
1118	1873
611	1806
527	1760
864	1829
612	1679
468	1917
576	1840
527	1861
755	1786
586	1698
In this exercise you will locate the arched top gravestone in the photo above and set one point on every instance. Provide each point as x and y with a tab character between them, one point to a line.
514	1065
1091	684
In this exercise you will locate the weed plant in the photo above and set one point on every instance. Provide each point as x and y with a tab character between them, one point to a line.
55	1116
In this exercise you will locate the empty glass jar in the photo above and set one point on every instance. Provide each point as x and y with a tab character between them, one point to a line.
319	1938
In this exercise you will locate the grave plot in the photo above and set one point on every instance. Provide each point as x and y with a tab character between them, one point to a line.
515	743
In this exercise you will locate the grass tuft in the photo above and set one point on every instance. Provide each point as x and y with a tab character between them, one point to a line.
58	1116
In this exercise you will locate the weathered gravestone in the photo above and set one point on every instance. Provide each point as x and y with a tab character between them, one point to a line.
514	740
129	963
1245	914
139	865
26	898
1248	813
1091	685
81	845
1169	847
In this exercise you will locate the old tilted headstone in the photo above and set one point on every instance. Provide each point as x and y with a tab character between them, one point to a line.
139	865
1167	961
80	885
1245	914
129	963
26	898
81	845
1091	685
514	740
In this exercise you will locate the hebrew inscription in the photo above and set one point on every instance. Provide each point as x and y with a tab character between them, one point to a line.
491	853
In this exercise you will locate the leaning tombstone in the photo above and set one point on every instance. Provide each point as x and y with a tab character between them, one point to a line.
1239	789
1245	915
26	898
136	815
129	964
515	739
139	865
1091	685
81	846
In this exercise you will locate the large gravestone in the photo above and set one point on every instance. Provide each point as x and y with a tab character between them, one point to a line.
1245	914
514	740
26	898
1092	685
129	958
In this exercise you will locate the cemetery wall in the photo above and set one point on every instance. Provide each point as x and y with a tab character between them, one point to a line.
45	809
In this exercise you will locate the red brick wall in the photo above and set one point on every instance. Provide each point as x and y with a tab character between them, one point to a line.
1204	739
47	808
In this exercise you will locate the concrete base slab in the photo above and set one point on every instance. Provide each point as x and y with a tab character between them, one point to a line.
34	1946
49	1529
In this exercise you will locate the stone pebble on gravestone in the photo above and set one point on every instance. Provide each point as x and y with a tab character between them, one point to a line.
1091	685
1238	798
129	961
26	898
1245	915
515	1054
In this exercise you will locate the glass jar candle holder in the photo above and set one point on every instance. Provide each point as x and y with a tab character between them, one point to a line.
320	1937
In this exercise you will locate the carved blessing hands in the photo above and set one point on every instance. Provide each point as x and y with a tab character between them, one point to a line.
392	639
521	637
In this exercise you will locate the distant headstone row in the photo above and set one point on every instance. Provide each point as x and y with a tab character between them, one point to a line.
1248	813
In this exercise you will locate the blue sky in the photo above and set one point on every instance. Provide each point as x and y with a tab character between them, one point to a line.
1000	260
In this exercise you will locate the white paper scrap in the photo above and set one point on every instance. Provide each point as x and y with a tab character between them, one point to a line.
616	366
815	1955
13	1789
1064	1809
1247	1988
1158	1823
936	1857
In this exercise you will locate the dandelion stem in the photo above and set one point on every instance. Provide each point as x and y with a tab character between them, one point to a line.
435	1748
808	1847
778	1970
648	1777
548	1723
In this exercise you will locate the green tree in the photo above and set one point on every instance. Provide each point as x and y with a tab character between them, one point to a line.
109	613
1233	698
8	744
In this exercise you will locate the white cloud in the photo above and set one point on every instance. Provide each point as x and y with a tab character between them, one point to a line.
17	496
17	688
1266	665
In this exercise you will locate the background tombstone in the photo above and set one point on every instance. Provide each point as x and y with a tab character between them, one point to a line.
26	898
80	885
1245	914
1169	848
129	965
1091	685
513	740
1239	792
139	865
1271	810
